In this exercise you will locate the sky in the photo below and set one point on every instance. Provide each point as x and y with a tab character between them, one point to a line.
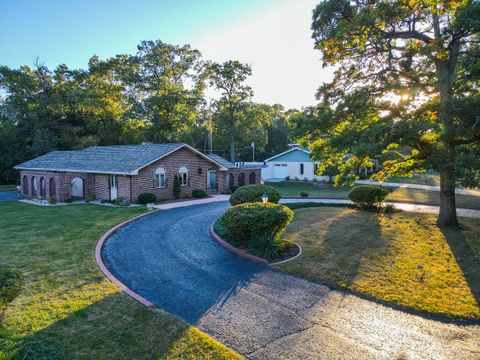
273	36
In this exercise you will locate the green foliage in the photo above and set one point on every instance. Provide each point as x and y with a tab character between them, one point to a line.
389	209
401	91
68	200
267	246
253	193
176	187
248	221
146	198
10	285
52	200
199	193
368	197
304	194
232	189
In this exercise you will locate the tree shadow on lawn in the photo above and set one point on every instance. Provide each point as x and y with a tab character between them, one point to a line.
116	327
466	257
352	240
348	240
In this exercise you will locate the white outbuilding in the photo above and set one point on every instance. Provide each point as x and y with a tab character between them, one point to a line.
293	164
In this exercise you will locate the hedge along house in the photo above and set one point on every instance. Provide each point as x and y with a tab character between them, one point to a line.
294	164
109	172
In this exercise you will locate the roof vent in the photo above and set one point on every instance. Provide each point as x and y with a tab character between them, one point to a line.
294	145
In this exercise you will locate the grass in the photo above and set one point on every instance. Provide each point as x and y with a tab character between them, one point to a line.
404	258
431	179
64	307
4	187
293	189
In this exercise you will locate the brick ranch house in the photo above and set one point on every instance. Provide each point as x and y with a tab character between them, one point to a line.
109	172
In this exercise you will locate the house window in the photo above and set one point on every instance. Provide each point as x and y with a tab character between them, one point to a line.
301	169
183	175
315	169
159	178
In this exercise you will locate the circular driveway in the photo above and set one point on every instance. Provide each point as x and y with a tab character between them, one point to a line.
170	259
9	195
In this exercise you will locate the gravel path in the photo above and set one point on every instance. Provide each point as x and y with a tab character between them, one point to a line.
170	259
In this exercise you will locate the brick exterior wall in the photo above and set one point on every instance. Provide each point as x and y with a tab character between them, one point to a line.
197	179
98	185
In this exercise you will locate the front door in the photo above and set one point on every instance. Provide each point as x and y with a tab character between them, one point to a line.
212	180
113	187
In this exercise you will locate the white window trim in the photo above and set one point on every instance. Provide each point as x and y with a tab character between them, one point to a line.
158	173
183	171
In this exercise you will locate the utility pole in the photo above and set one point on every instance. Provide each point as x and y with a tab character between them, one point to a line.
210	135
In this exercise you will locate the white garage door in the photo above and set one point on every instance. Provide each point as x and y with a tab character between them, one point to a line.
280	171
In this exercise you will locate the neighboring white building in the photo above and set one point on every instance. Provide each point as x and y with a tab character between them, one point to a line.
294	164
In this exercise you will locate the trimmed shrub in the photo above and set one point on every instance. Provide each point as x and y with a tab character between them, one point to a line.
176	187
368	197
199	194
248	221
304	194
266	246
389	209
146	198
253	193
232	189
52	200
68	200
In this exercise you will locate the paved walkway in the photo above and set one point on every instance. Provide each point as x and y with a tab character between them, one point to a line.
179	204
417	186
427	209
9	195
170	259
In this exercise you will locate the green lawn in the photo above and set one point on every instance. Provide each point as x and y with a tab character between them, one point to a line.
56	304
4	187
293	189
402	258
431	179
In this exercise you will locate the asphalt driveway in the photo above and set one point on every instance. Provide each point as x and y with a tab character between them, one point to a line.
9	195
170	259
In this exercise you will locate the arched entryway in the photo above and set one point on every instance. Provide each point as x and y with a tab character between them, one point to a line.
77	188
230	181
52	188
34	186
43	187
252	178
25	185
241	179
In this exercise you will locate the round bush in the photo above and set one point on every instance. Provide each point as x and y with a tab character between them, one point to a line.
251	220
146	198
368	197
253	193
199	194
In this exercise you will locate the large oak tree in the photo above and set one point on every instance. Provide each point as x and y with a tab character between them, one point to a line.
406	87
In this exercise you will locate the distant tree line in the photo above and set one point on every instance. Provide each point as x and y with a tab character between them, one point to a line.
156	95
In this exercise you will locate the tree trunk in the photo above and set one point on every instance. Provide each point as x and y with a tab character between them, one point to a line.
232	150
448	212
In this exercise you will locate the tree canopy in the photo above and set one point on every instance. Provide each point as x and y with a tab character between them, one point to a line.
406	89
154	95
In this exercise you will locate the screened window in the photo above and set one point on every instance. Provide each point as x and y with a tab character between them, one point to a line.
301	169
159	179
183	175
